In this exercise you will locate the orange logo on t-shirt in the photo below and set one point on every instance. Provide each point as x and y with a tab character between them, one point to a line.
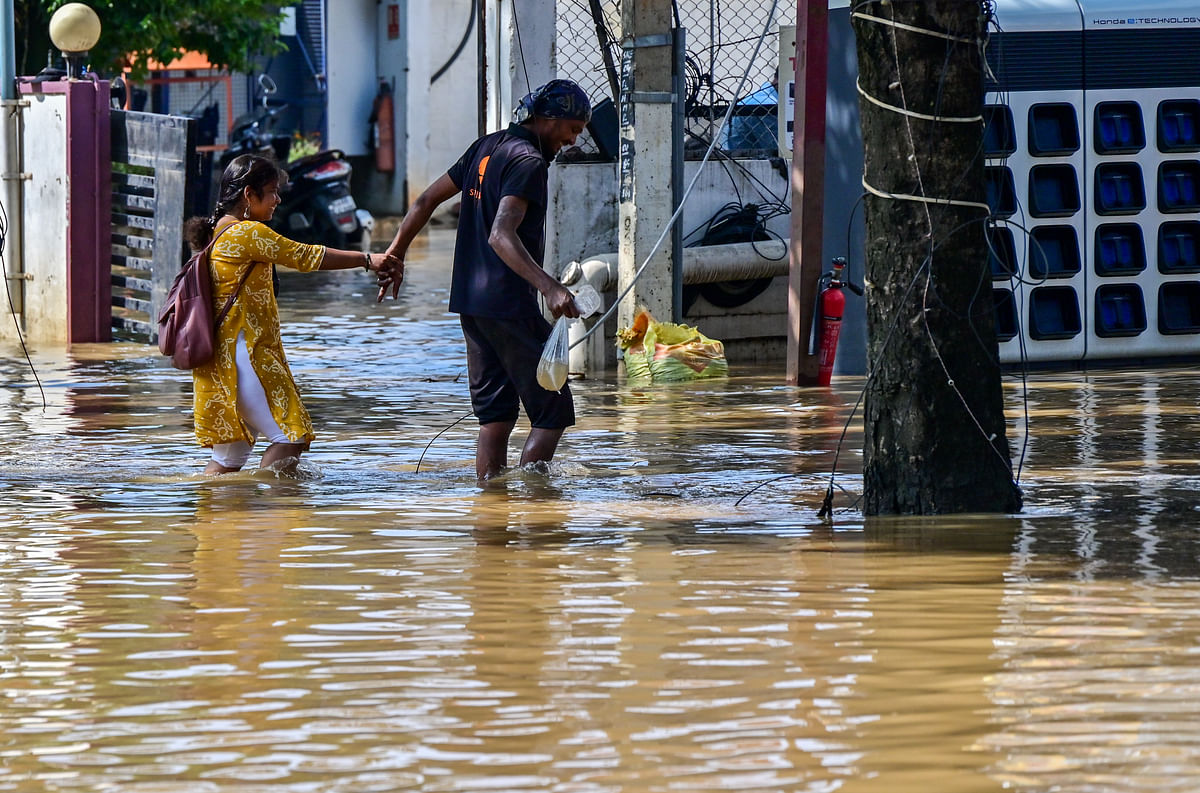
475	191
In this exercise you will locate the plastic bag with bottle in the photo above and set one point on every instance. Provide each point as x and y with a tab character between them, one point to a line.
553	366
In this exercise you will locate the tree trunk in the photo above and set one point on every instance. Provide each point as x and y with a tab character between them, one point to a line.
935	434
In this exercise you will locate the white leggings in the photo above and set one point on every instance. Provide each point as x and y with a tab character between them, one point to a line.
253	409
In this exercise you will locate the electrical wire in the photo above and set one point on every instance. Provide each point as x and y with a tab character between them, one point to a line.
521	47
599	323
928	291
887	338
12	308
463	42
925	307
444	430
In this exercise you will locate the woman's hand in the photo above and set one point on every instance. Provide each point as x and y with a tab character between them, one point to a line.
389	269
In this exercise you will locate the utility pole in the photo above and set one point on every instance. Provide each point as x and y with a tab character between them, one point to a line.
808	186
645	164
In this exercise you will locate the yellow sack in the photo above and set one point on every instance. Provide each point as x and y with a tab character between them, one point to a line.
664	351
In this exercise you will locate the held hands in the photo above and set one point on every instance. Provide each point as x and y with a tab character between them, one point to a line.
389	269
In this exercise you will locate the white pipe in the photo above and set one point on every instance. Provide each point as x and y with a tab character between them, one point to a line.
701	265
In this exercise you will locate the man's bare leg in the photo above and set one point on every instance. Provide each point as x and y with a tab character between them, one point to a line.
491	450
541	445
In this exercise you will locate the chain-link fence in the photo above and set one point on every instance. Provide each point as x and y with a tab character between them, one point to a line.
721	36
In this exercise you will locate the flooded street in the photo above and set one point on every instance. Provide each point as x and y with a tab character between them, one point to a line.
640	620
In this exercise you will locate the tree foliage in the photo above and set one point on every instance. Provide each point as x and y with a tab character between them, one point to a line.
134	33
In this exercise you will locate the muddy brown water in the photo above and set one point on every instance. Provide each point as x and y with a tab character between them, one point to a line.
638	619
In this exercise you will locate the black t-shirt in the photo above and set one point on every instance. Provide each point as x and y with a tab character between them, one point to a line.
501	164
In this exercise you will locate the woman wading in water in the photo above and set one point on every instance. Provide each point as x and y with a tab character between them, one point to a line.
247	389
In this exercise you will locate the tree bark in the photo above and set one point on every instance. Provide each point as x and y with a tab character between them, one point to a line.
935	438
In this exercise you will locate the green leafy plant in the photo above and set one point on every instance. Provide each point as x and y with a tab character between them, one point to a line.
304	145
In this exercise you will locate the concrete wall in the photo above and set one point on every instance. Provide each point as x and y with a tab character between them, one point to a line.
434	121
521	48
350	74
452	115
44	154
582	221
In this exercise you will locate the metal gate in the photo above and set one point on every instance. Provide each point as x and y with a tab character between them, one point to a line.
151	178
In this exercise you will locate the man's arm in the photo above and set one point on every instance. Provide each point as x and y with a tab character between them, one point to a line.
414	220
508	246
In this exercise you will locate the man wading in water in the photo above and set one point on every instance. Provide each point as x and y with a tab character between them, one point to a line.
498	270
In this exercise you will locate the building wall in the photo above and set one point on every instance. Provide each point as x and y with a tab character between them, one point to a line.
434	121
452	118
351	74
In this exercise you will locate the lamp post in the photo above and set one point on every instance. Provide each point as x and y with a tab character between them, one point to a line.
74	29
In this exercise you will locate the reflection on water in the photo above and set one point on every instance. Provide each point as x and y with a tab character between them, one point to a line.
620	624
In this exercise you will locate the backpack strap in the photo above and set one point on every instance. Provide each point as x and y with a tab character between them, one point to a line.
228	303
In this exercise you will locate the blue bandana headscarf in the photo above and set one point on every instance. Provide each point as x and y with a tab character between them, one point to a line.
556	99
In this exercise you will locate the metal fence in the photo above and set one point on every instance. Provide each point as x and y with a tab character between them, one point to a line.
720	39
151	156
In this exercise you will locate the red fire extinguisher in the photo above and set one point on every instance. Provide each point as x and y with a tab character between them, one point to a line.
383	135
831	307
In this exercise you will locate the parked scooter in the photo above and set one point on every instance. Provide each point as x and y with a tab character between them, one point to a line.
316	204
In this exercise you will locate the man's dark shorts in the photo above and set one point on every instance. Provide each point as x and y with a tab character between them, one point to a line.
502	361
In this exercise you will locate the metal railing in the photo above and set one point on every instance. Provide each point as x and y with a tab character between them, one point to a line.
150	163
721	37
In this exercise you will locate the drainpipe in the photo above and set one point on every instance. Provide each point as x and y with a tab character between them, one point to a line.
10	159
703	264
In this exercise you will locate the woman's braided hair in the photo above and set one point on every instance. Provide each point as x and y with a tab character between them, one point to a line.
246	170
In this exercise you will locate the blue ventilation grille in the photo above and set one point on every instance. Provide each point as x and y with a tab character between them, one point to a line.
1053	252
1179	187
1179	247
1119	189
1001	194
1002	253
1179	307
1053	191
1053	313
1120	249
1053	130
1119	128
1179	125
1006	314
1120	310
999	134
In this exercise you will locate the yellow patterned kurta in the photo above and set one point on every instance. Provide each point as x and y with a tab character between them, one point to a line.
255	313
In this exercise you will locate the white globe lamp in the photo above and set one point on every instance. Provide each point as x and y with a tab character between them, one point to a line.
74	29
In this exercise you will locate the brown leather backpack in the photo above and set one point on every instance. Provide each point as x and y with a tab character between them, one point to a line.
187	329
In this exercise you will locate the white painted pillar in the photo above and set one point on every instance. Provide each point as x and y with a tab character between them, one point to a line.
421	54
645	160
521	47
389	191
10	160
